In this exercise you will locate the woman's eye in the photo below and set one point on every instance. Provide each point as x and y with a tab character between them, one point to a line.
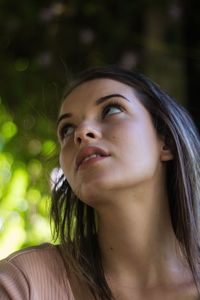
66	131
112	109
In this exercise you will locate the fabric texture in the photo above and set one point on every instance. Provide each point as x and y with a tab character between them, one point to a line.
35	273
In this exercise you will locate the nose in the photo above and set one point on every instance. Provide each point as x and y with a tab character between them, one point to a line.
86	133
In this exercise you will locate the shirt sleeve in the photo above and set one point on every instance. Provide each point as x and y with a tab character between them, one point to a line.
13	283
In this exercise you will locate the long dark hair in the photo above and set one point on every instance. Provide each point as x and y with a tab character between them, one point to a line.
75	222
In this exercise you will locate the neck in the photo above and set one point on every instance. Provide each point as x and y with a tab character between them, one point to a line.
137	240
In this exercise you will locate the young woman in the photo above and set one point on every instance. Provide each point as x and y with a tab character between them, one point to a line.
126	207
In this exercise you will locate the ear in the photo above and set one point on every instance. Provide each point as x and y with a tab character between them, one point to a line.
165	153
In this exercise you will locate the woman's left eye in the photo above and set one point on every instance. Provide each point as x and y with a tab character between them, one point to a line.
112	109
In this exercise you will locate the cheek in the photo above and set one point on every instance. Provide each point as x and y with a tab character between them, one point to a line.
64	160
135	141
62	163
116	131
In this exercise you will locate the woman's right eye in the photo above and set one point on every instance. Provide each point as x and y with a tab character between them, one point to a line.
66	131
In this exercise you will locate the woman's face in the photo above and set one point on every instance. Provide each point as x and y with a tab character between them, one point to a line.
108	142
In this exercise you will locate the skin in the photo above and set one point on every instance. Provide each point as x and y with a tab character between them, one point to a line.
140	253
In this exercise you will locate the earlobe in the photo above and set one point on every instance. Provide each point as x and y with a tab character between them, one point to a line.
166	153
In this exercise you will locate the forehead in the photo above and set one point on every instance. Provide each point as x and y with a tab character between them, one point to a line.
88	92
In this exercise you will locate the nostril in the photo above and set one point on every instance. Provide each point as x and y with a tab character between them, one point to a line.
79	140
80	136
90	134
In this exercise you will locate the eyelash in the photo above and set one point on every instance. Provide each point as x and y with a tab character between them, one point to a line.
62	130
112	103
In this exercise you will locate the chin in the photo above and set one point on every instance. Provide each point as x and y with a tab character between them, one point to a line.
94	192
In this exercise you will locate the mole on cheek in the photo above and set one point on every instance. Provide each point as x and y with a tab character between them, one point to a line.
113	138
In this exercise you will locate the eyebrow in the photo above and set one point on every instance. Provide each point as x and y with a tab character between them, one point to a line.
104	98
98	101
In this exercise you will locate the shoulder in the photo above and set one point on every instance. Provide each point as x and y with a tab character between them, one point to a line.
34	271
42	259
32	257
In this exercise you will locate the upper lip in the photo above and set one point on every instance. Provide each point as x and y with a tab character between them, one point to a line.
87	151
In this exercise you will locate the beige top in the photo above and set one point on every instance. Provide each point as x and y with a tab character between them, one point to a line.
38	273
35	273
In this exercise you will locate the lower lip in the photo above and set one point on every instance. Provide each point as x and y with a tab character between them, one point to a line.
91	161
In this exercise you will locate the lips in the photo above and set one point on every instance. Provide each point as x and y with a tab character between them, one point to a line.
89	152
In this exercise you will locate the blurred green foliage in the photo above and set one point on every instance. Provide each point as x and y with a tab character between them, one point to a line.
42	44
24	187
